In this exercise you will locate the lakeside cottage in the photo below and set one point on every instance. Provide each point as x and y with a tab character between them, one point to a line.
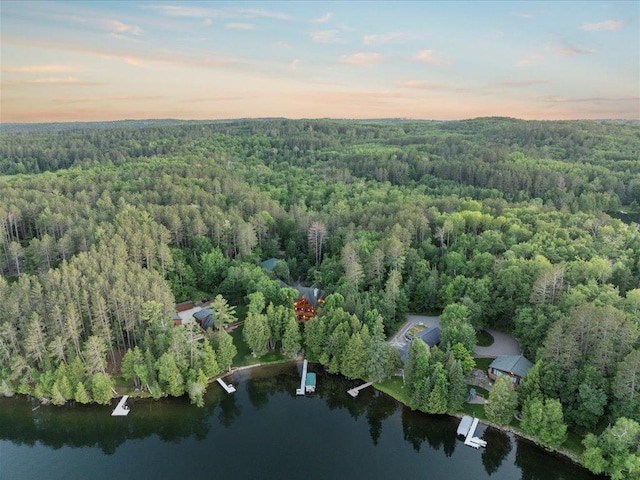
513	367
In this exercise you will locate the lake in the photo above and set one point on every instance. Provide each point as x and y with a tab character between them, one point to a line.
263	431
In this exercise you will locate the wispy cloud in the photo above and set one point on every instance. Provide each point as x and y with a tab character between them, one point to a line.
323	19
295	63
239	26
568	50
423	85
44	69
327	36
432	58
283	45
525	14
105	99
383	38
361	59
518	83
118	27
607	25
533	59
190	11
59	81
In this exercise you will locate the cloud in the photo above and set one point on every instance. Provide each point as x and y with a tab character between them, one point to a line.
327	36
60	81
381	39
518	83
361	59
295	63
430	57
283	45
118	27
106	99
323	19
44	69
207	22
525	14
239	26
568	50
423	85
187	11
607	25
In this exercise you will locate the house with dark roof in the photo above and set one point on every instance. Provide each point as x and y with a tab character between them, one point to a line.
431	336
309	299
269	264
204	318
512	367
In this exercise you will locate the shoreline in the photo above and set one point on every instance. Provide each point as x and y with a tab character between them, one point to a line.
559	452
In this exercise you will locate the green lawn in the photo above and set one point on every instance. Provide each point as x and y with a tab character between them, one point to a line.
394	387
484	338
244	357
483	363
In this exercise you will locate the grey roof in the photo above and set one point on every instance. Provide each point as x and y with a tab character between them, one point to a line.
430	336
312	293
515	364
269	264
202	314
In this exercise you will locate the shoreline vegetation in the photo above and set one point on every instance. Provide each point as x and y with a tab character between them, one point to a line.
495	222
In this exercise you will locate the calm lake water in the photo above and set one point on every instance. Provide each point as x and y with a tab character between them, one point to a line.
263	431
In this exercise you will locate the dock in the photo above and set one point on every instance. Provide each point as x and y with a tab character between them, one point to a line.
467	428
303	380
228	388
354	391
121	409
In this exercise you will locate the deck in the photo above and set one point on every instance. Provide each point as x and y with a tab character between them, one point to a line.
354	391
121	409
303	380
470	440
228	388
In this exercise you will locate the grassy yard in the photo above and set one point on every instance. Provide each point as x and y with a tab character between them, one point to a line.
394	387
483	363
244	357
484	338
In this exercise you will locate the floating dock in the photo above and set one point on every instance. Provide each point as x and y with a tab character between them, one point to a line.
228	388
354	391
121	409
303	380
467	429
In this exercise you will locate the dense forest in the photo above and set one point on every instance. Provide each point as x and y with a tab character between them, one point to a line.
493	222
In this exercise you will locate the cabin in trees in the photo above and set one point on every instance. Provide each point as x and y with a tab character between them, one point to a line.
512	367
309	299
431	336
204	318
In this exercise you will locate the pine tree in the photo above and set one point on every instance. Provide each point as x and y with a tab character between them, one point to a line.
457	387
439	395
225	350
502	402
81	395
291	339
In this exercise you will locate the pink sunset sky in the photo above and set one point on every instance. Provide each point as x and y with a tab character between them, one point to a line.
102	60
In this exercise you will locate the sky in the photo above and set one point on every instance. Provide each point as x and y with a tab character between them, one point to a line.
106	60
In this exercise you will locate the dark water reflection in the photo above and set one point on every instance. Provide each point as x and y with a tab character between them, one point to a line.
262	431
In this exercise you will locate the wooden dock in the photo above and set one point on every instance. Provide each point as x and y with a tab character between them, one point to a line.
303	380
121	409
354	391
228	388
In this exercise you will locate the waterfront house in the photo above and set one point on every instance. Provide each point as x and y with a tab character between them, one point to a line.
513	367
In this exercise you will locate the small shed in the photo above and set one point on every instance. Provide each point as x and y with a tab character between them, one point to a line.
310	384
182	306
512	367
